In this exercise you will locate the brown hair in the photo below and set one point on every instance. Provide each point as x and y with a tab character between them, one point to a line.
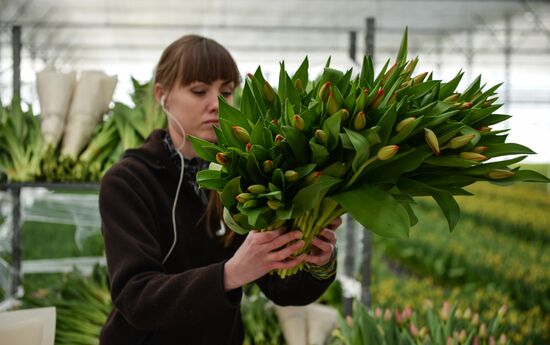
195	58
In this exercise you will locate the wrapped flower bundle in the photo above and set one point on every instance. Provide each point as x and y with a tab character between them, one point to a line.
310	151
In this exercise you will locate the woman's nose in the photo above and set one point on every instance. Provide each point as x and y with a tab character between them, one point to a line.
213	103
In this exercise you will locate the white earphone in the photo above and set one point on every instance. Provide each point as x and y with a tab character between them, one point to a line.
172	117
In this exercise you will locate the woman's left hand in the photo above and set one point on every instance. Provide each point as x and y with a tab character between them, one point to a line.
323	244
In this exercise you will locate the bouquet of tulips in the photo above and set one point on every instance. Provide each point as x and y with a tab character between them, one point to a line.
311	151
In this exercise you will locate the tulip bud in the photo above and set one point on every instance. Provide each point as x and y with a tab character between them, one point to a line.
483	333
313	177
472	156
332	104
449	341
388	74
279	138
387	315
459	141
414	330
503	339
248	147
360	121
361	100
291	175
462	336
324	91
274	204
403	123
269	93
267	166
250	76
407	313
406	84
432	141
479	149
298	85
458	313
221	158
251	203
393	98
257	189
445	311
419	78
484	129
452	98
298	122
344	113
475	319
241	133
467	314
411	65
378	312
500	174
466	105
502	311
387	152
244	197
492	341
378	99
423	332
275	122
321	137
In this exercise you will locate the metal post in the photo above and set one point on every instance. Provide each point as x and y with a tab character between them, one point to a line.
353	45
366	265
16	54
16	240
349	261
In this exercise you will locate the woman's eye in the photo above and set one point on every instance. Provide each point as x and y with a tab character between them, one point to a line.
227	94
199	92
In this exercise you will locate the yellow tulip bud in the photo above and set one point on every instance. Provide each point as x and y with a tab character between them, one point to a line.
419	78
502	311
452	98
332	104
221	158
299	86
445	311
432	141
244	197
251	203
479	149
483	333
274	204
500	174
484	129
388	74
268	166
466	105
387	152
475	319
462	336
472	156
321	137
459	141
269	93
298	122
360	121
291	175
313	177
406	84
467	314
279	138
257	189
503	339
324	91
378	99
241	134
275	122
403	123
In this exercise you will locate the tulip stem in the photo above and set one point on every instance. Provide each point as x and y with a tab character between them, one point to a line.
359	171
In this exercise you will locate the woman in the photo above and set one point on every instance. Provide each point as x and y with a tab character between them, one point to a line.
176	275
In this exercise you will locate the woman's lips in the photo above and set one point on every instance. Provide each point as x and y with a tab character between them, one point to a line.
210	122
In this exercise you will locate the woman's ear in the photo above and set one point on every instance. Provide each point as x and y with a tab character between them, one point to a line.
159	92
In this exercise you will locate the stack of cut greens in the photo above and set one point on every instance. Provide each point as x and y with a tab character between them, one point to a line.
313	150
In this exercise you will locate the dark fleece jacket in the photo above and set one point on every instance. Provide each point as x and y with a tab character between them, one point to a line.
182	301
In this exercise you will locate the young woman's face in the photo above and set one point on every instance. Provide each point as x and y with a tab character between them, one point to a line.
196	107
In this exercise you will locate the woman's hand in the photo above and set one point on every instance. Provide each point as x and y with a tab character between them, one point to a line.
323	244
260	253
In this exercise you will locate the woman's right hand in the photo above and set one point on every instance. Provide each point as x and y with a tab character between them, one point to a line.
260	253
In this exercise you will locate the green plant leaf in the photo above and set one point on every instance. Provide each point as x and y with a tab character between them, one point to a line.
308	197
376	210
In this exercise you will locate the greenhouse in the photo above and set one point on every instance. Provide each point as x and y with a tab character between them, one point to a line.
284	172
